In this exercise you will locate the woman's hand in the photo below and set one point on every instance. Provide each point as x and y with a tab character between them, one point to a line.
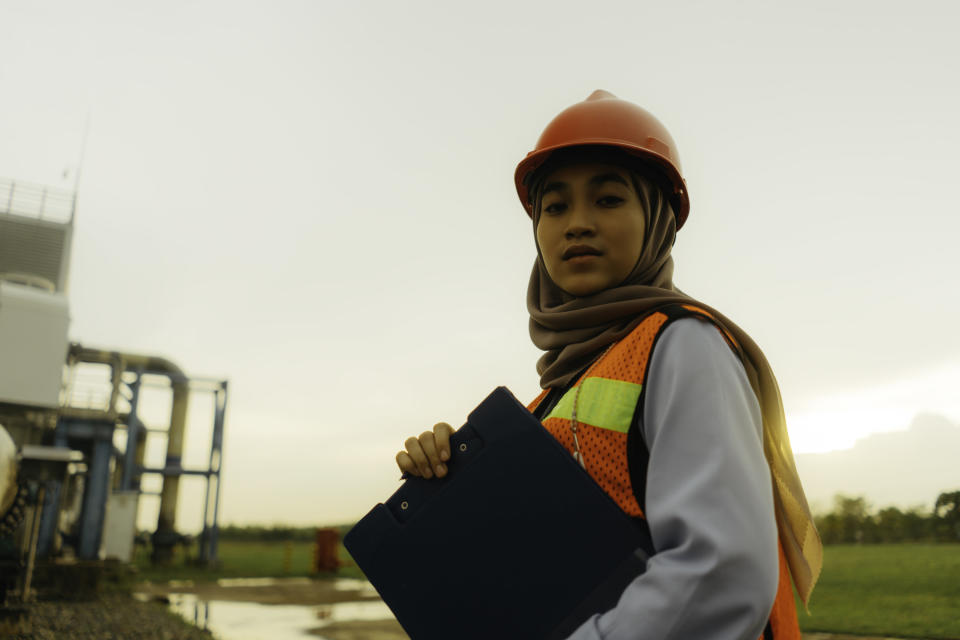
425	456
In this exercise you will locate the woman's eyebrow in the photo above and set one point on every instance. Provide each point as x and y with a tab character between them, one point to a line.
594	181
554	186
607	177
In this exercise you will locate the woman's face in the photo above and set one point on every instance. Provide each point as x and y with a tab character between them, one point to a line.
591	227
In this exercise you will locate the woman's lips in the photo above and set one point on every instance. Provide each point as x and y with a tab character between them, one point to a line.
580	251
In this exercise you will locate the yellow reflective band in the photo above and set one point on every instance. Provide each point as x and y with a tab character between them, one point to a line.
604	403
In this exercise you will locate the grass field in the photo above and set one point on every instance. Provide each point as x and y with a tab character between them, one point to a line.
899	590
245	560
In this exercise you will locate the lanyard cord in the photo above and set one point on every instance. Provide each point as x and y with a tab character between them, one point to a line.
577	455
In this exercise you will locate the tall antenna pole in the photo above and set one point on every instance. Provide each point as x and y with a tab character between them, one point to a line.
76	177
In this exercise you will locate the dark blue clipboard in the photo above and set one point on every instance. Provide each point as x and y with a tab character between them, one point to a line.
517	541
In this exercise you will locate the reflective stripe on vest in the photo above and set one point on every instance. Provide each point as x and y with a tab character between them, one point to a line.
607	404
609	397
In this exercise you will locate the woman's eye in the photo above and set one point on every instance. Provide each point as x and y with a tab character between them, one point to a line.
609	201
555	207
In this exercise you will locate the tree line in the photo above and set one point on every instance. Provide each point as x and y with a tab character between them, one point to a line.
272	533
852	521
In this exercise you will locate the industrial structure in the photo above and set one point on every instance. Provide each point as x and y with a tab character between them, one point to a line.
72	442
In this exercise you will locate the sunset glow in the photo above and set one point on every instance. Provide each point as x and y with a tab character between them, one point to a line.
838	421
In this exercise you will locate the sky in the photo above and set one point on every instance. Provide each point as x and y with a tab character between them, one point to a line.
315	201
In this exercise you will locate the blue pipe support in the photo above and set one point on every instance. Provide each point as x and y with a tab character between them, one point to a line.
50	515
95	439
95	494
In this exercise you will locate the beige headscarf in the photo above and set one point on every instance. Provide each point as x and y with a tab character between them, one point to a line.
574	331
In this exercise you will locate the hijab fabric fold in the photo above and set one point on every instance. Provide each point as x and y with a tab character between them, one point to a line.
574	331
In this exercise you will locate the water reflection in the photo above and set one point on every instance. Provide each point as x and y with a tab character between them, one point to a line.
253	621
364	588
263	582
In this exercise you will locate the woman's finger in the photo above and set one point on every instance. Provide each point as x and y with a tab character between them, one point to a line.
442	432
406	464
429	445
419	457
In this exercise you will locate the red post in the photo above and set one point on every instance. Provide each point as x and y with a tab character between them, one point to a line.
325	557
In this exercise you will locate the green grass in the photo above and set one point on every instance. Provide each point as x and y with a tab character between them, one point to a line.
244	560
902	590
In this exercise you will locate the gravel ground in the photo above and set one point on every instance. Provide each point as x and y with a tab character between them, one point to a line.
111	617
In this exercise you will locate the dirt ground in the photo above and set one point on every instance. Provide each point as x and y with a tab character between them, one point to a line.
834	636
363	630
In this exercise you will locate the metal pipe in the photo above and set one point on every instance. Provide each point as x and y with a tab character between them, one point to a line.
127	361
171	483
166	521
134	436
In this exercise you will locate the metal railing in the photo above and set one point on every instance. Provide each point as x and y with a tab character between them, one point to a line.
37	201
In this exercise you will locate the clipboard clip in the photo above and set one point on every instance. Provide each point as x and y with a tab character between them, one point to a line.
465	443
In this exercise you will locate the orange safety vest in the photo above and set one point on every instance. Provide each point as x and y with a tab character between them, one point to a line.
610	393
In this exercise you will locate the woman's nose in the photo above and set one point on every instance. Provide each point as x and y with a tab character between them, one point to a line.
579	223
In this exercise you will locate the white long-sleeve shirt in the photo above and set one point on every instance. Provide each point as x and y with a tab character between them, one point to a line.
709	501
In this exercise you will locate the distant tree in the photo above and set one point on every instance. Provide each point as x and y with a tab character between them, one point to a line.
851	522
854	521
947	513
274	533
891	525
917	524
829	527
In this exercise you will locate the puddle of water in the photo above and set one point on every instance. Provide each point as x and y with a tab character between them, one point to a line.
341	611
180	583
262	582
252	621
355	584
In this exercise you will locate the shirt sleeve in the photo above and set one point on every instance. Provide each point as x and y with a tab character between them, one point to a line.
709	500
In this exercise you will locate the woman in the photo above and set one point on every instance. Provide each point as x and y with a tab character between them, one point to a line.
670	407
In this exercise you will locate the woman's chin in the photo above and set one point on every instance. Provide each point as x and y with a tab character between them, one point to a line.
582	288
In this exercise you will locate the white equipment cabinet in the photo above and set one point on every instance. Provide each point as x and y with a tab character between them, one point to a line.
33	344
120	525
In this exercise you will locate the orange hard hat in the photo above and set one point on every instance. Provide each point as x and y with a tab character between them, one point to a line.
603	119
